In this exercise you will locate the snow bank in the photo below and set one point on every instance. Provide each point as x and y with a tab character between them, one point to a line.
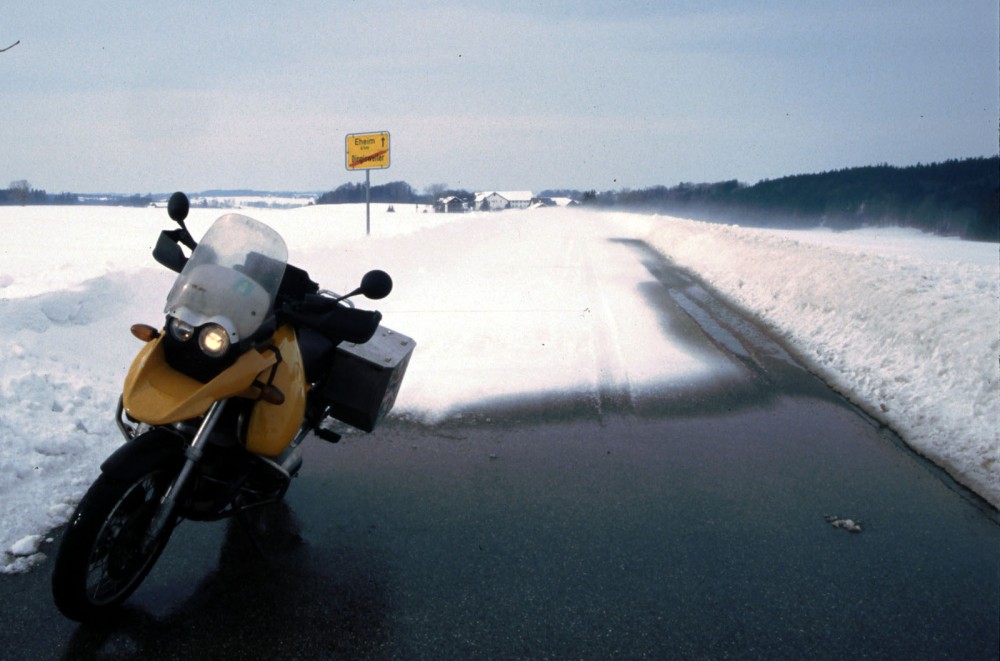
501	305
906	325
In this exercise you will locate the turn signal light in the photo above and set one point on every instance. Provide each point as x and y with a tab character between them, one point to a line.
145	332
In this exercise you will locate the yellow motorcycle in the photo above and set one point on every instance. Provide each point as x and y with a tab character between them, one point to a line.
252	359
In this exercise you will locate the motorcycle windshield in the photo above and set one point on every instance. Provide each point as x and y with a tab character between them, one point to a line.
231	278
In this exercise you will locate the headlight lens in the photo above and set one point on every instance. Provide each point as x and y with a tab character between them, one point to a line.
181	330
214	340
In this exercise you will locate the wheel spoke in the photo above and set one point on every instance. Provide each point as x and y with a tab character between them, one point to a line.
121	552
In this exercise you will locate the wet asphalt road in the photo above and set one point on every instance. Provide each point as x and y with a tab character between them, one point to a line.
682	523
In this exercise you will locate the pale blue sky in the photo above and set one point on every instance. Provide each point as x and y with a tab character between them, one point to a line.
150	97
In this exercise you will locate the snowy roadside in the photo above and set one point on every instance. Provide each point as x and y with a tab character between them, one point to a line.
906	325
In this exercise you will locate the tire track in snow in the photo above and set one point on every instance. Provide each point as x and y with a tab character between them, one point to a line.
614	391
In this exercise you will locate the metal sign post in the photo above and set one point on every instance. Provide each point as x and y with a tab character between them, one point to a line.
367	151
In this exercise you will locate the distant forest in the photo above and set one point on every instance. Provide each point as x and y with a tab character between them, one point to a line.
955	198
395	192
21	193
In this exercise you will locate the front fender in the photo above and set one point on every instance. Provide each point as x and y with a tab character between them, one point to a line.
145	452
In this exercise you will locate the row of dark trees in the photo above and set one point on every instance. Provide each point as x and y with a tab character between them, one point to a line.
959	197
396	192
955	198
21	193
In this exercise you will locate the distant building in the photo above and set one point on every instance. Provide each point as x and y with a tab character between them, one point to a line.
450	204
539	202
497	200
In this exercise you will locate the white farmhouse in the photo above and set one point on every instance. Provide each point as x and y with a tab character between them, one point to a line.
496	200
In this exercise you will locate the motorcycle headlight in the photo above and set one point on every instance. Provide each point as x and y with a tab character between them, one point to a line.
213	340
181	330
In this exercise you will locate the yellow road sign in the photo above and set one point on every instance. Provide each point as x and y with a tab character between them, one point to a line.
367	151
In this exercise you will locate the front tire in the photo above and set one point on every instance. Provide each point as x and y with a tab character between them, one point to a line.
105	554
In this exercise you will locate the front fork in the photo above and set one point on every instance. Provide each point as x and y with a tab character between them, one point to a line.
192	455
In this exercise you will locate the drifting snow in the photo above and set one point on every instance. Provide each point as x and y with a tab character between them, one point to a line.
501	305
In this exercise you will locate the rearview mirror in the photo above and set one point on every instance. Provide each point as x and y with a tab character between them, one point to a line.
178	207
376	284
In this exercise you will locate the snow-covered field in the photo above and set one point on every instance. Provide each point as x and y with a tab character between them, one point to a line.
501	305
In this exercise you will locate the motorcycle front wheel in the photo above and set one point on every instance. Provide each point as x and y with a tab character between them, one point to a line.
105	553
